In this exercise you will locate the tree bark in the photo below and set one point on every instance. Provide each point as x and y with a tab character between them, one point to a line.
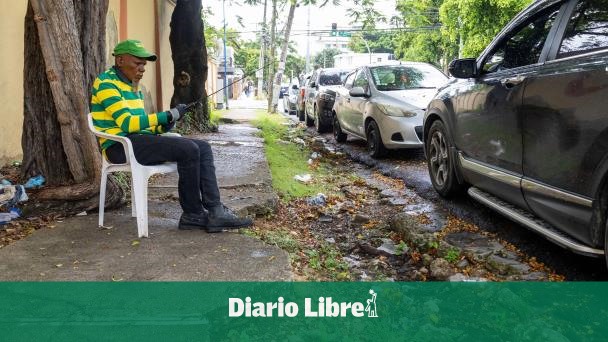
189	55
279	76
64	51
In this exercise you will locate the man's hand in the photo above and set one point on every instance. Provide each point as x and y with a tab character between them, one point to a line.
178	112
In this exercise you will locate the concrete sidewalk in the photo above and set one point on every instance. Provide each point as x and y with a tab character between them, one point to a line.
76	249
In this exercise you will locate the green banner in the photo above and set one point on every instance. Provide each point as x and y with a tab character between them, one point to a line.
303	311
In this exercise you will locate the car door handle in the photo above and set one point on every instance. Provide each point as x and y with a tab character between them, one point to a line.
511	82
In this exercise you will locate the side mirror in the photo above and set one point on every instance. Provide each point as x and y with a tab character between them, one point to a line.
312	84
463	68
294	86
358	92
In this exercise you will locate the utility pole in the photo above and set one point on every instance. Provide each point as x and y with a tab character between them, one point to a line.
225	57
307	68
260	72
368	50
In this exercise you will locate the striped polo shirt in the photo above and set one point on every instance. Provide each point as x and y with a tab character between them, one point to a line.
118	109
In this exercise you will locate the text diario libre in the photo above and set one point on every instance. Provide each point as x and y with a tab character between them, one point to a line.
323	307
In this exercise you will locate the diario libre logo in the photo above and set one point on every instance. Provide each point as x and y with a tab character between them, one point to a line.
321	307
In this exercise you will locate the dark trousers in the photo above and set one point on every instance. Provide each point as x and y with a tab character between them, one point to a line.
194	165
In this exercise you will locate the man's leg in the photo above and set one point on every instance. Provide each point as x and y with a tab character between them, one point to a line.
208	182
154	149
220	217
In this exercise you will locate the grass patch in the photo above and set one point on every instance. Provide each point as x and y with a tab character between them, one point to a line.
287	159
214	117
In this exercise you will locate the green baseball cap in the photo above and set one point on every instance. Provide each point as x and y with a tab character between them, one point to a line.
135	48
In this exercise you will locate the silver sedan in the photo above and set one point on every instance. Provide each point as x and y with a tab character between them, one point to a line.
385	103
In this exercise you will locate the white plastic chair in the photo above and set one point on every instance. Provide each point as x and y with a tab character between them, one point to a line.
139	179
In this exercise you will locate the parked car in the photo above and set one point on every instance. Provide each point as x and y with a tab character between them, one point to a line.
384	104
524	128
283	90
320	95
302	97
290	100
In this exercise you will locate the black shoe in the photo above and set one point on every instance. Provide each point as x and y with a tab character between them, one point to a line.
221	218
190	221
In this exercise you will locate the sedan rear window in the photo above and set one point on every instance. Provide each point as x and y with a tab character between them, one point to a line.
401	77
328	78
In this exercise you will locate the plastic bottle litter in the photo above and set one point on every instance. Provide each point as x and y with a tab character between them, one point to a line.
303	178
5	182
315	155
8	217
35	182
12	194
320	199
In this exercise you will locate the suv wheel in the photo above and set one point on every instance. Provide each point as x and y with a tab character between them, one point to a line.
320	124
439	161
301	115
338	134
309	121
374	140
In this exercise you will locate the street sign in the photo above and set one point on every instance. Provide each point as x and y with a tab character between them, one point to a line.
340	34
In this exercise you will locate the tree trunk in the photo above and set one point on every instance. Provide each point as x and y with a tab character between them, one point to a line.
279	76
189	55
273	30
64	51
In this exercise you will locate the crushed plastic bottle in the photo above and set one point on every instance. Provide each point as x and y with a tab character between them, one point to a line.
319	200
11	215
35	182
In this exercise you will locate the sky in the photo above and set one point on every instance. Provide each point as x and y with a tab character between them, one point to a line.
320	18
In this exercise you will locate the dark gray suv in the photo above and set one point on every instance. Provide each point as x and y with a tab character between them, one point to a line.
524	127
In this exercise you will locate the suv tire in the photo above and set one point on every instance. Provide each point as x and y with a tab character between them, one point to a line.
374	140
301	115
338	134
440	161
309	122
320	123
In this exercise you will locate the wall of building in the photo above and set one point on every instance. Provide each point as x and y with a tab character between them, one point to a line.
141	26
165	9
11	79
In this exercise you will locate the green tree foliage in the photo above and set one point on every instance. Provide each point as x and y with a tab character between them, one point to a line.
325	58
421	40
364	13
434	29
294	65
476	22
246	57
378	41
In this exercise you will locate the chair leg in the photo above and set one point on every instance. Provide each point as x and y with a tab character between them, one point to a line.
140	190
102	195
133	204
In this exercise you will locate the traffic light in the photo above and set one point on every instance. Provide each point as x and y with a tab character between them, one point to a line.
334	29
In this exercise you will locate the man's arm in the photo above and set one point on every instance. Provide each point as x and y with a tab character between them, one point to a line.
110	98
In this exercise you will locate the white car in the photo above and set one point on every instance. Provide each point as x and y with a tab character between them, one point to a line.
385	103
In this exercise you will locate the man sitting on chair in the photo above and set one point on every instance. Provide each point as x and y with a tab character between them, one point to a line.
117	108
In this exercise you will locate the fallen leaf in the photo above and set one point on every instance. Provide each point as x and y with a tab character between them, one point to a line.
116	279
135	243
59	265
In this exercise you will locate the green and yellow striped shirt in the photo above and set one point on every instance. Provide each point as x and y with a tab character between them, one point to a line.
119	109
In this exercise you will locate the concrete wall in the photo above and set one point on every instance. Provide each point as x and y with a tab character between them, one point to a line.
165	9
11	79
141	26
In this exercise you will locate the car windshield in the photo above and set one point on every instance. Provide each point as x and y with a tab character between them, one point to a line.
402	77
336	77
